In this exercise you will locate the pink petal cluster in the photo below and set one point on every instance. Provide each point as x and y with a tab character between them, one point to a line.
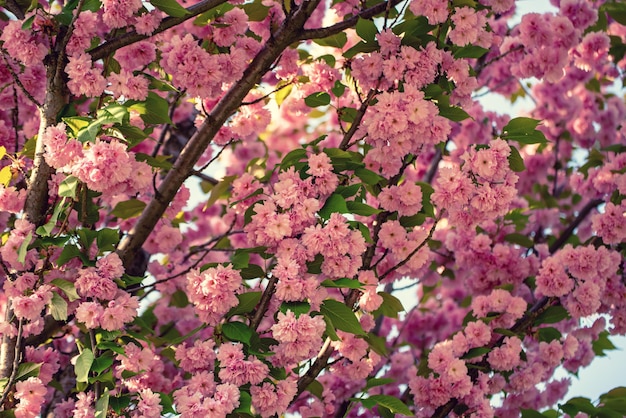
236	369
482	189
23	45
269	400
213	292
299	338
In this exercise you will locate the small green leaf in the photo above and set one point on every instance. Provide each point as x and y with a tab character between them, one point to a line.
519	239
170	7
102	405
256	11
21	252
531	413
470	51
219	190
247	303
317	99
83	365
602	344
298	308
552	315
549	334
68	187
26	370
373	382
453	113
237	331
392	403
155	109
343	283
366	29
119	403
523	130
338	40
69	251
368	176
476	352
390	307
252	271
362	209
617	11
128	209
107	239
516	162
334	203
67	287
341	316
58	307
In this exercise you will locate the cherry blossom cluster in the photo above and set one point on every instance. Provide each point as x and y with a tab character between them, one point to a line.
103	165
483	188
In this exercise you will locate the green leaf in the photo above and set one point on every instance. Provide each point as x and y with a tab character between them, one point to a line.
362	209
170	7
128	209
341	316
317	99
69	251
367	30
83	365
45	230
381	381
293	157
298	308
368	176
247	303
102	405
256	11
339	88
67	287
253	271
549	334
103	362
155	109
392	403
160	161
343	283
334	203
316	388
531	413
119	403
89	133
26	370
476	352
390	307
68	187
453	113
581	404
519	239
602	344
377	343
516	162
523	130
552	315
58	307
107	239
219	190
21	252
470	51
112	114
240	259
338	40
616	10
237	331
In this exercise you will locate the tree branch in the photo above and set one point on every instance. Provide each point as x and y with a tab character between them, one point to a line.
287	34
129	38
